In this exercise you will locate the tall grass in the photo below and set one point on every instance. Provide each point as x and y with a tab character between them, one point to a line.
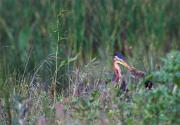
86	27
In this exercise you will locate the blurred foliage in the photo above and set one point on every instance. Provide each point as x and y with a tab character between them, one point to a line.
32	30
170	71
159	106
43	42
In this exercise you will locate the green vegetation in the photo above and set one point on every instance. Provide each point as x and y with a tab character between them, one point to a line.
49	49
170	72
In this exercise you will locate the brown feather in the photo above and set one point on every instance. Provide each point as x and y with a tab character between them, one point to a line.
137	73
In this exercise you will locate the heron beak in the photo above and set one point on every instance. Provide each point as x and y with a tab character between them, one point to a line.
124	63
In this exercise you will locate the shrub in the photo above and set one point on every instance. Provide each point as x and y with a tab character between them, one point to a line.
170	71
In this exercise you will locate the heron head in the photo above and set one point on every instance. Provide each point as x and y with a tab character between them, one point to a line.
119	58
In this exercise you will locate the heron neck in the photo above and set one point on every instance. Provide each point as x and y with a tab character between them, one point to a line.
115	64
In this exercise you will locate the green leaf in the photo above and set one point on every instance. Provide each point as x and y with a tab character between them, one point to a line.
73	58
